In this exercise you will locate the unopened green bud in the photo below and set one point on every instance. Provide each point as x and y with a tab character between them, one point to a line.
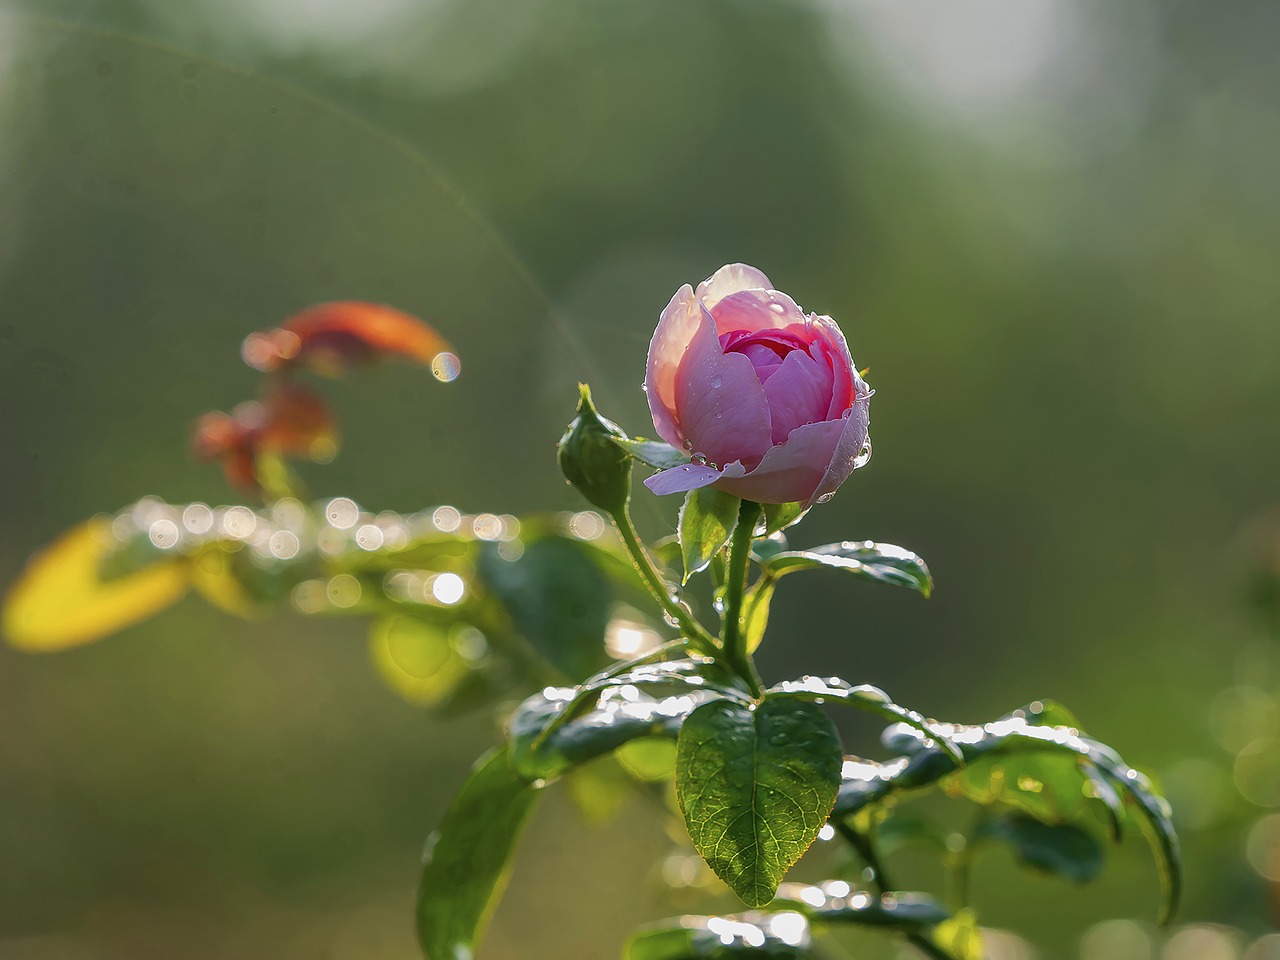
591	461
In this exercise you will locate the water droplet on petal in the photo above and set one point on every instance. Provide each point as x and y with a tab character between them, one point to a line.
825	498
700	459
716	382
864	455
688	444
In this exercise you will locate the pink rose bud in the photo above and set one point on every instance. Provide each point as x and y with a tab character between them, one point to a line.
765	399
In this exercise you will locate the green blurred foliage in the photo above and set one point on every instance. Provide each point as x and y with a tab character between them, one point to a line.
1050	229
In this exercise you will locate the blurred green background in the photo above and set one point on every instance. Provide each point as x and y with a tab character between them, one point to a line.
1051	229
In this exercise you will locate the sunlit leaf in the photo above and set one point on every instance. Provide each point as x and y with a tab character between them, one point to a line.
213	576
1006	743
621	715
654	453
834	902
878	562
863	697
778	935
960	936
779	516
62	600
599	789
648	758
468	857
417	659
707	519
1058	848
755	612
755	787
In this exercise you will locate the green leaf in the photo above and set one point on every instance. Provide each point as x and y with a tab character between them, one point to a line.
467	859
779	516
654	453
707	520
621	715
878	562
960	936
1058	848
755	611
557	598
834	902
864	697
778	935
1007	743
755	787
417	658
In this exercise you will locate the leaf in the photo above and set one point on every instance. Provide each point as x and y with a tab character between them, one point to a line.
777	935
1058	848
648	758
620	716
960	936
557	598
864	697
755	787
834	902
417	659
654	453
1014	738
707	520
755	611
779	516
467	860
63	600
879	562
599	789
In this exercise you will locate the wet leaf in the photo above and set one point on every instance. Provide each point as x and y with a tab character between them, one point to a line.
777	935
707	520
1058	848
863	697
619	717
63	600
878	562
467	860
834	902
755	787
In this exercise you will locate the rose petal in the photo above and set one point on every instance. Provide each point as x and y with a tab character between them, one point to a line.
731	278
756	310
852	439
719	402
848	385
799	392
682	479
679	322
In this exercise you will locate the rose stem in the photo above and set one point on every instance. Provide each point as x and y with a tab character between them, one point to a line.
678	612
734	644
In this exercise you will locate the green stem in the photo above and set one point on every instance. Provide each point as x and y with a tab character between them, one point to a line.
731	638
678	612
866	849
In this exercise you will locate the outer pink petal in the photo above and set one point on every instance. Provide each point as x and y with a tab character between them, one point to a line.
848	385
682	479
680	320
719	402
799	392
755	310
814	461
731	278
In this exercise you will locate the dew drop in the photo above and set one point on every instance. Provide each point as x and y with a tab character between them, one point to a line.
446	366
864	455
825	498
716	382
688	444
700	459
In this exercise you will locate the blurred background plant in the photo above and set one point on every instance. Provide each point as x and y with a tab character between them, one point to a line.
1049	228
